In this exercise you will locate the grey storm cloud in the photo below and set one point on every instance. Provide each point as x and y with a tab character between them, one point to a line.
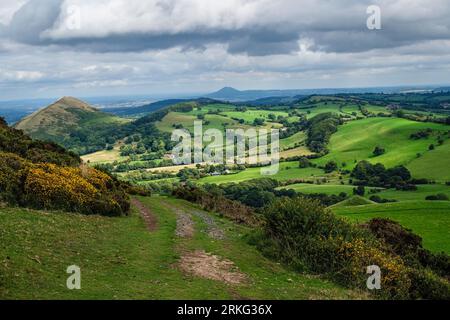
32	19
245	26
137	46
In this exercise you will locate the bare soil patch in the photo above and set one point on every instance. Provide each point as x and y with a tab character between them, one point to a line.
209	266
214	232
149	217
185	224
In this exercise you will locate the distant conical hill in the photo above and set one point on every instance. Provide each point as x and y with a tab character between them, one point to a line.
71	123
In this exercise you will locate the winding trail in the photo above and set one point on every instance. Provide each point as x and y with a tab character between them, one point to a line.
147	215
199	262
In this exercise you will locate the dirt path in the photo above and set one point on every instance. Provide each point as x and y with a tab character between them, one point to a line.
214	232
209	266
185	224
201	263
149	218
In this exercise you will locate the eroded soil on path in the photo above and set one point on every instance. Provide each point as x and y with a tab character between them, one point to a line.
149	218
201	263
209	266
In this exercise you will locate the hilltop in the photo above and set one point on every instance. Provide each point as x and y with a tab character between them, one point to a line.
62	111
71	123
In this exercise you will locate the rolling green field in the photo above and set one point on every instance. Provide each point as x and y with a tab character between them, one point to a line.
429	219
433	165
322	188
250	115
290	142
288	170
120	259
420	194
356	140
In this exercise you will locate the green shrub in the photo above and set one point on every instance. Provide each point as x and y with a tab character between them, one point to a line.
437	197
12	170
44	175
307	236
426	285
233	210
408	245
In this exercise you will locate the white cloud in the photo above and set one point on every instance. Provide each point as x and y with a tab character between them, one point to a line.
20	75
154	46
8	8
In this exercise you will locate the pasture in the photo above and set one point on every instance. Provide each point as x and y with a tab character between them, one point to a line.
429	219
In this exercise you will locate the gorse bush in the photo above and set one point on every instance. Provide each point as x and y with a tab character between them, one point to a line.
427	268
307	236
86	190
49	186
15	141
12	171
43	175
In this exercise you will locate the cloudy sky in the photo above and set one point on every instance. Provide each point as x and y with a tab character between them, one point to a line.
50	48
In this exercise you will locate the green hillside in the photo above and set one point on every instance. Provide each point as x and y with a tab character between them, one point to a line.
433	165
287	171
356	140
429	219
120	259
72	123
169	248
43	175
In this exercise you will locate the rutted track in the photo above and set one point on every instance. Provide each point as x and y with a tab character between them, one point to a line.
147	215
199	262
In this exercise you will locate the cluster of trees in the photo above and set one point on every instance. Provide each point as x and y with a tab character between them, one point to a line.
378	151
130	166
330	166
437	197
320	129
421	134
376	175
291	128
259	193
186	174
258	122
253	193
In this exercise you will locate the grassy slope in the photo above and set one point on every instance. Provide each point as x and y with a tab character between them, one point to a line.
429	219
433	164
420	194
291	141
322	188
66	115
288	170
105	156
356	140
120	259
187	121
